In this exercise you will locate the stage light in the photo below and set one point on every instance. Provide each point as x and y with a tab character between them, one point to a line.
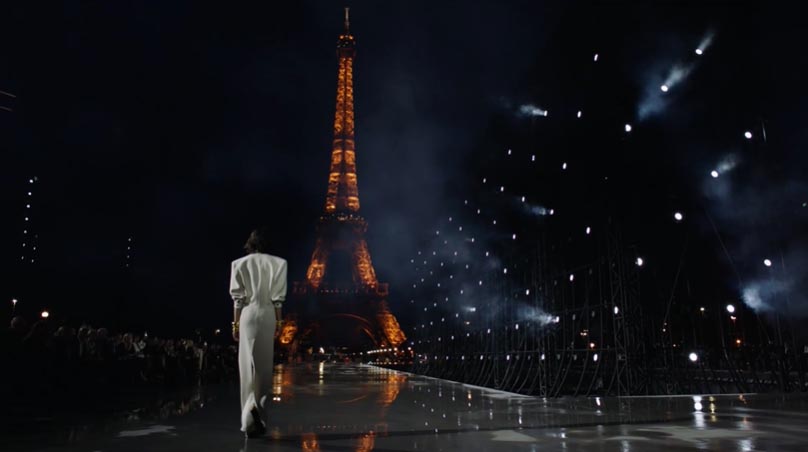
701	309
44	314
505	271
730	308
532	158
664	88
678	216
523	199
699	52
616	310
714	173
579	113
552	211
595	357
767	262
588	230
30	181
693	357
596	57
509	152
591	345
747	135
572	277
513	237
527	291
564	166
639	262
627	127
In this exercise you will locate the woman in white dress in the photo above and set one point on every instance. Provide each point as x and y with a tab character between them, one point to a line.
258	288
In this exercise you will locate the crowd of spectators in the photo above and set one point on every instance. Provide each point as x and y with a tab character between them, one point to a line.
52	362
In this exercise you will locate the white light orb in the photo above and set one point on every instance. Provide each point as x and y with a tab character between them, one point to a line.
640	262
767	262
572	277
747	135
678	216
730	308
664	88
596	57
616	310
579	113
44	314
564	165
714	173
627	127
693	357
595	357
588	230
699	52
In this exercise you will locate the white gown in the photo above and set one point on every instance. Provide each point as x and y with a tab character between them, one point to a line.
257	285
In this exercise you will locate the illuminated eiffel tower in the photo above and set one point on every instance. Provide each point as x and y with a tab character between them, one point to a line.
331	292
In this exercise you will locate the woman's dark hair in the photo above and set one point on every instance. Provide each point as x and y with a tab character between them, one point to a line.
258	241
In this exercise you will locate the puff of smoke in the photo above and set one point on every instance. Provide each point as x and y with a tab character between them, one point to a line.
728	163
526	313
530	110
655	100
706	42
536	210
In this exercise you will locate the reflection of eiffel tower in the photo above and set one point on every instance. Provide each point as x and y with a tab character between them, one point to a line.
341	230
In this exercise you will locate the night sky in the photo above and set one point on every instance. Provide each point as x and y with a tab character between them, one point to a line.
184	126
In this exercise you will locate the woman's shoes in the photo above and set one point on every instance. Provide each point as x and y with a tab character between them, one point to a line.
258	429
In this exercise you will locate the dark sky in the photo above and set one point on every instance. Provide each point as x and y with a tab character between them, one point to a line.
185	125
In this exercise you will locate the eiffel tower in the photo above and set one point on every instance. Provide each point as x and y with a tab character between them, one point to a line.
341	285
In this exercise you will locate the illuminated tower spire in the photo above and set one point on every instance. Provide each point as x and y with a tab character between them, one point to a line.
343	193
341	244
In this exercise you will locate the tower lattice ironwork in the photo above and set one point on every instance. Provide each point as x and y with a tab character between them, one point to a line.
341	230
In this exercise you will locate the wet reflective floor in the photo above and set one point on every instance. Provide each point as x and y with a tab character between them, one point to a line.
345	407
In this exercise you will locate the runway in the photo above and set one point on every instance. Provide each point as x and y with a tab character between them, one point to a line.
350	407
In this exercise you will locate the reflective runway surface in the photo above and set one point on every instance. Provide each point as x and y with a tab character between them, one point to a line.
343	407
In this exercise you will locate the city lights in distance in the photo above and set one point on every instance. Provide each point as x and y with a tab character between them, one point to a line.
693	357
767	262
730	308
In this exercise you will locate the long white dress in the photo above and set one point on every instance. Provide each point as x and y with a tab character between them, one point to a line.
257	285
